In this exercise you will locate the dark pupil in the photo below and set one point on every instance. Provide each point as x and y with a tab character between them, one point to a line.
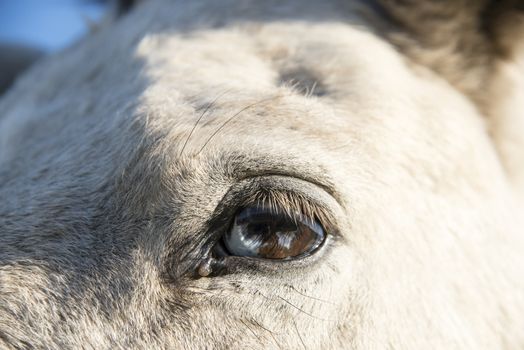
259	229
276	235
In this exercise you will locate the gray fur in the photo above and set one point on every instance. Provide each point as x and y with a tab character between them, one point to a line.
122	157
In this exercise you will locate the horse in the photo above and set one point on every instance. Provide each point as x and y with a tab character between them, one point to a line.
297	174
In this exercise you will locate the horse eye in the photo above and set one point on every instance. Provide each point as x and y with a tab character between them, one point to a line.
269	234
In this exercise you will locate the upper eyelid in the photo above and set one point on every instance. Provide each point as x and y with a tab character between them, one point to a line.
292	203
320	181
242	167
307	194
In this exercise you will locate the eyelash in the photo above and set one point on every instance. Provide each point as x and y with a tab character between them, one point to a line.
291	203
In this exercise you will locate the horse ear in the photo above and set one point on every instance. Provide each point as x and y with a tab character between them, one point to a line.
477	46
506	23
460	39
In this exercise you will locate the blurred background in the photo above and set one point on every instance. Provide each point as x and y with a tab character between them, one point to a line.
32	28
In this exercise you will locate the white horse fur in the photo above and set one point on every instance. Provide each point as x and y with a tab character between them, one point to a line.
403	119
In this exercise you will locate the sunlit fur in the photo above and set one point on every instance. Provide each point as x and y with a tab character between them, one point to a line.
124	157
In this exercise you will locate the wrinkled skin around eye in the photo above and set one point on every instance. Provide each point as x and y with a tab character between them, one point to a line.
269	234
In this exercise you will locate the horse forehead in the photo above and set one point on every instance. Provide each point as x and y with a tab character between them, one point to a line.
226	81
256	57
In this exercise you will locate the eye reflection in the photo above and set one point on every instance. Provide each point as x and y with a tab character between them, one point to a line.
271	234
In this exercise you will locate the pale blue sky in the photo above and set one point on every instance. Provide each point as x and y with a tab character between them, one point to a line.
45	24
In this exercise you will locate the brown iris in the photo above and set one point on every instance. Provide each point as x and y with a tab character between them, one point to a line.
271	234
